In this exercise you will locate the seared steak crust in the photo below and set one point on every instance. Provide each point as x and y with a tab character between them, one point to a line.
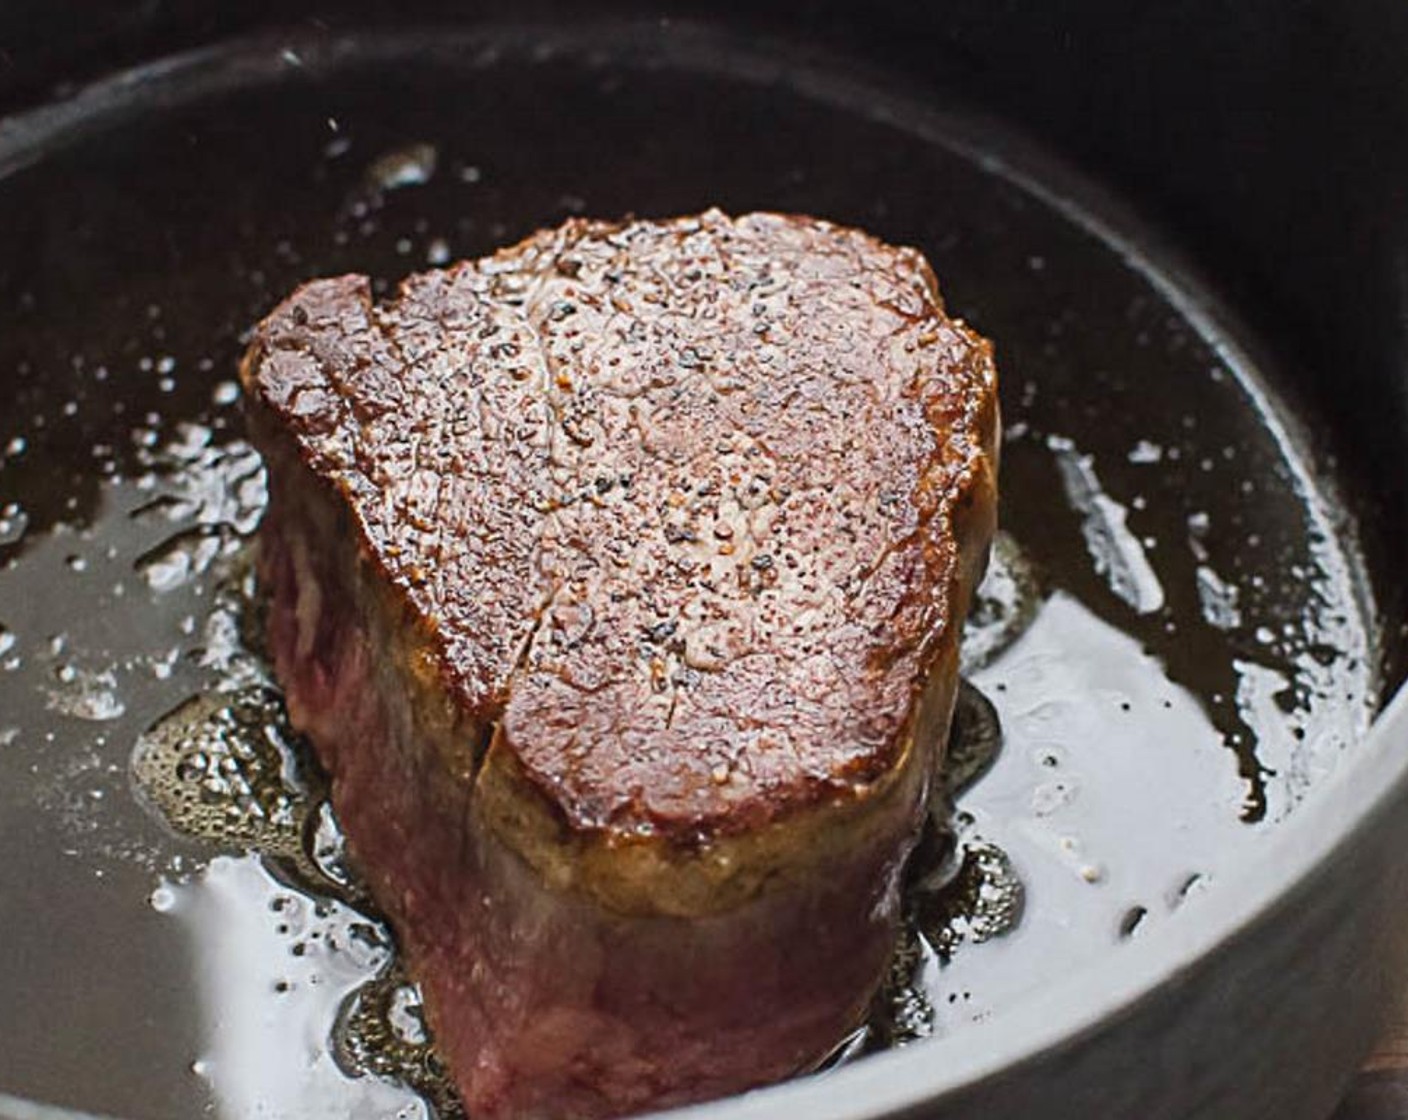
650	544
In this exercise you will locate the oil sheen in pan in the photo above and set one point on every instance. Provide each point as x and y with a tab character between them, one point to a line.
1174	638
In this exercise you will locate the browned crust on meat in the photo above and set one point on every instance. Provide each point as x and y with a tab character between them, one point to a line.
684	513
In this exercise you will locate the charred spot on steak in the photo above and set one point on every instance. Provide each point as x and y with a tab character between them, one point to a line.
617	579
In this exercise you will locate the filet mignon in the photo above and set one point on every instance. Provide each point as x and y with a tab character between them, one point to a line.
617	580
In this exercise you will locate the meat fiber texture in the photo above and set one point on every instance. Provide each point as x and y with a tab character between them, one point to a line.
617	581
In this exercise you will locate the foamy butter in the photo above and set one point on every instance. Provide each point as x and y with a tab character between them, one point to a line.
275	968
221	768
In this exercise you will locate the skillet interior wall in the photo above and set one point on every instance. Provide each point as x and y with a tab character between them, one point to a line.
1264	138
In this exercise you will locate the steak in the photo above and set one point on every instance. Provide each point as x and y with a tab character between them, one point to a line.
617	581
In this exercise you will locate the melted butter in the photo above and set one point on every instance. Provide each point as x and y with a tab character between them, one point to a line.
1088	824
1115	552
274	968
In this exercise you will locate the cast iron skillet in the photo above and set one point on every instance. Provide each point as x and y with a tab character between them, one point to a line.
1255	1001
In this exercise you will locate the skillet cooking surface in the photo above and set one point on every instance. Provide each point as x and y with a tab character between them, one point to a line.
1193	651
